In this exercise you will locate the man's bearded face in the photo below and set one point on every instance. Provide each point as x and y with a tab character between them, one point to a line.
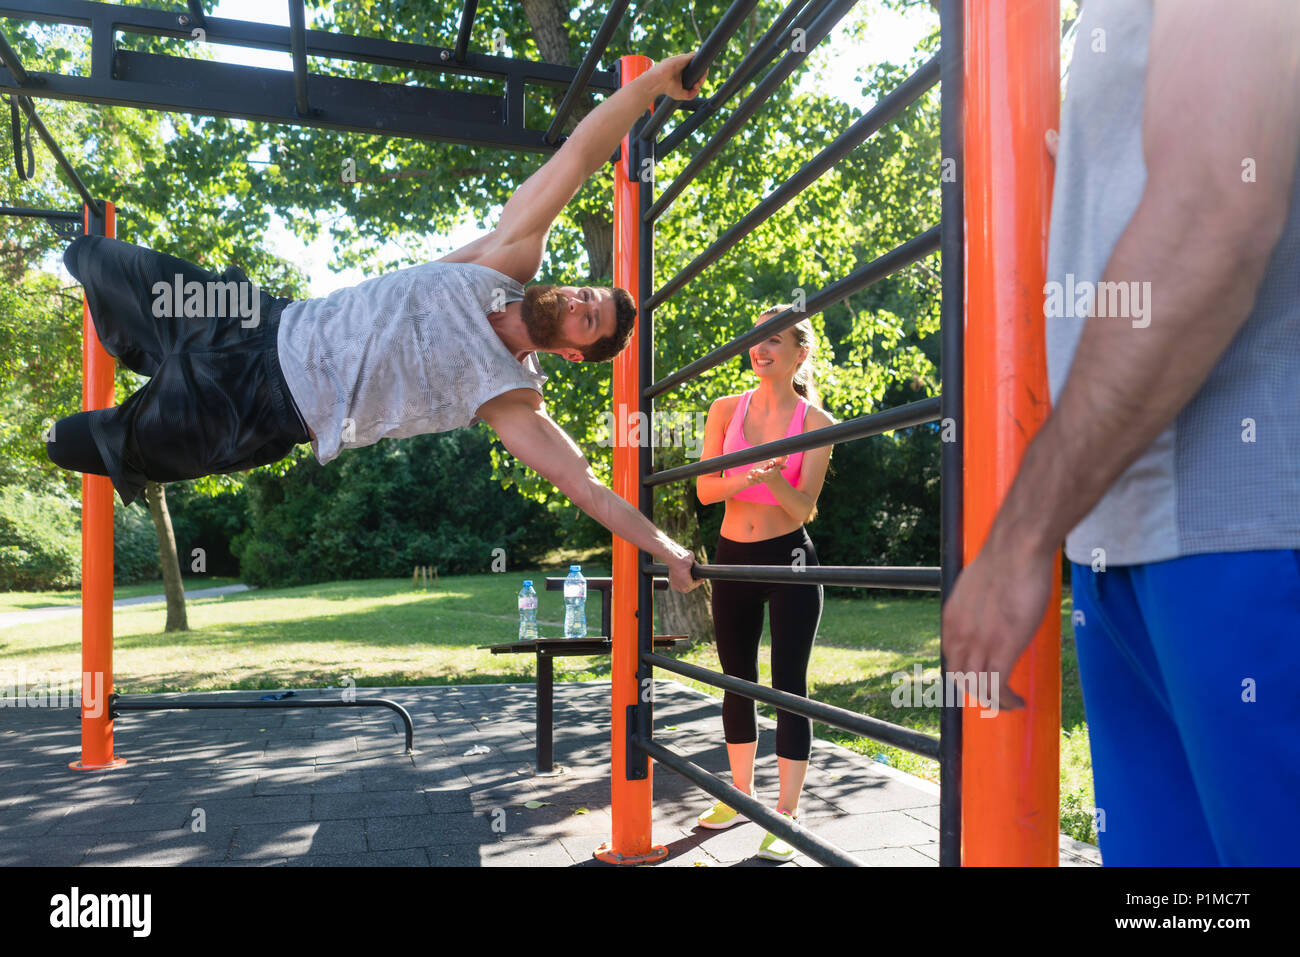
541	312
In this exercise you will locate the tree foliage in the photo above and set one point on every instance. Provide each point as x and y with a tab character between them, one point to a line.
208	189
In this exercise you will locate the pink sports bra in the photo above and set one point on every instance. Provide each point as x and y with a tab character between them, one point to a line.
734	440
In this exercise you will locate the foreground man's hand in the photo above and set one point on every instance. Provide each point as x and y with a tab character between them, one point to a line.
995	607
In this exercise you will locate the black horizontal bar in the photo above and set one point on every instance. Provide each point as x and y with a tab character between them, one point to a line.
319	43
819	849
901	417
916	742
819	30
708	52
124	703
762	54
298	42
897	258
9	57
613	17
152	81
40	213
466	28
901	577
903	96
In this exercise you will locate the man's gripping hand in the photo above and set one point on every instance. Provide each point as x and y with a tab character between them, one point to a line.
669	77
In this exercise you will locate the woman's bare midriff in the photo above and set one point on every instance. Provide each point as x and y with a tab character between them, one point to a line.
754	521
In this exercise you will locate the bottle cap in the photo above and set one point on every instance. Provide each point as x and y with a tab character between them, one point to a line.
573	568
528	581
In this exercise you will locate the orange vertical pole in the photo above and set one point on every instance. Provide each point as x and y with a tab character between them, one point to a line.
1011	762
630	800
98	370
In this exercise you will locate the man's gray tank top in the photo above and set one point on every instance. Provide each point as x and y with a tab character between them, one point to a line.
401	354
1225	475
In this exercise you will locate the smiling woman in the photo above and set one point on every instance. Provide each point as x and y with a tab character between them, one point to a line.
767	504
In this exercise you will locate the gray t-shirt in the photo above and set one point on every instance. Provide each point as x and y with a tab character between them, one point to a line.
401	354
1225	475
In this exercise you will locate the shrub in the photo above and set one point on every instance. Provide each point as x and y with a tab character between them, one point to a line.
39	543
379	511
135	545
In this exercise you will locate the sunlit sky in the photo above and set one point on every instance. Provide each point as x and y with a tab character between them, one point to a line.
892	37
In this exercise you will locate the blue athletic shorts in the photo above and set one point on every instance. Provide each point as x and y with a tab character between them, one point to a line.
1191	682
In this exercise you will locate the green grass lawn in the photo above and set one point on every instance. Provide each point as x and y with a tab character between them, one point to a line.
388	632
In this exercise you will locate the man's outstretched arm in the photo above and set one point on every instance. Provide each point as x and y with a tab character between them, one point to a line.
530	435
518	243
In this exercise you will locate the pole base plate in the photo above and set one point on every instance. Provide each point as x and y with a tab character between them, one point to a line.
607	854
115	763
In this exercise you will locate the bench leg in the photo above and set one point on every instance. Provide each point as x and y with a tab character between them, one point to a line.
545	710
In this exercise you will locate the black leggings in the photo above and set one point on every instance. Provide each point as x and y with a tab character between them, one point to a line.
795	613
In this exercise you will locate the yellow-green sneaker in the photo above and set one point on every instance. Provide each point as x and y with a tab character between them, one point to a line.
720	817
774	848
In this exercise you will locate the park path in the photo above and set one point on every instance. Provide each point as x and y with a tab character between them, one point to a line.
9	619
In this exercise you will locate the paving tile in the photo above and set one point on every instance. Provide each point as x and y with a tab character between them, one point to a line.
532	853
308	780
297	838
261	809
367	804
861	832
430	830
414	857
170	848
98	819
334	787
62	851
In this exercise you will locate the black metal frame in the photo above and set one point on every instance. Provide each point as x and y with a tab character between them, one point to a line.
149	81
118	703
180	84
466	28
759	58
9	59
613	17
817	31
66	224
713	45
818	18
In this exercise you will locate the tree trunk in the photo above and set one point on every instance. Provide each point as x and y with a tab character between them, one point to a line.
690	614
549	20
167	558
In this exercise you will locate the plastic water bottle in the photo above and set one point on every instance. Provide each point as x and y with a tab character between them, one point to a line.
575	604
527	612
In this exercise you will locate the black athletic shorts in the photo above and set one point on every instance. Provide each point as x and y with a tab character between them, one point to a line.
216	400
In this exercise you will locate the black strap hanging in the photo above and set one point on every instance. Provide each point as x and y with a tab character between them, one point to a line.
16	128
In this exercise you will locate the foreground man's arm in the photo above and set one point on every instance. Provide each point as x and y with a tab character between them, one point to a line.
1223	85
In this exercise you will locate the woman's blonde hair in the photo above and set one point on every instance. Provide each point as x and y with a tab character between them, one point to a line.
804	335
